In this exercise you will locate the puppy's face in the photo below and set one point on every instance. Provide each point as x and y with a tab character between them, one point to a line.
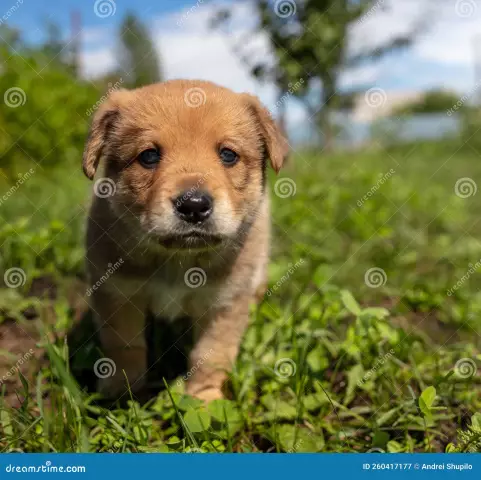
188	160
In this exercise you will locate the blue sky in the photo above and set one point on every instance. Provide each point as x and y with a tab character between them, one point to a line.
443	57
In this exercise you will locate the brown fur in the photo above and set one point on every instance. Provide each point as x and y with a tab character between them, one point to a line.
189	121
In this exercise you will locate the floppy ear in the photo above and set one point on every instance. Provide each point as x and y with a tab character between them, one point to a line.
103	122
275	142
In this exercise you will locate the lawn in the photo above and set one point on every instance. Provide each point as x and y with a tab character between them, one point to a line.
369	338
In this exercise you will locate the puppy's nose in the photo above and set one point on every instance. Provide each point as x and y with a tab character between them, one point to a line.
194	207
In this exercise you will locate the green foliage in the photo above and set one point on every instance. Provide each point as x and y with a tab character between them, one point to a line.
367	366
433	101
310	44
43	119
469	440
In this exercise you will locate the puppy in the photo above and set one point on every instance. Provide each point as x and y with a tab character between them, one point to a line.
179	223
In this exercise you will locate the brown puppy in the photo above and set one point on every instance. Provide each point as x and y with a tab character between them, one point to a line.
179	223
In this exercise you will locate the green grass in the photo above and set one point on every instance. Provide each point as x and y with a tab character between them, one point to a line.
332	360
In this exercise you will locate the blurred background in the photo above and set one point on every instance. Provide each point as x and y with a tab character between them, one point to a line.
381	103
329	71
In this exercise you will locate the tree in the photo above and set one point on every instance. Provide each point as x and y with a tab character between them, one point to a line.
309	40
138	57
434	101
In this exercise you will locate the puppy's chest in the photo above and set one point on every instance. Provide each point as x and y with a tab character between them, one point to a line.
171	299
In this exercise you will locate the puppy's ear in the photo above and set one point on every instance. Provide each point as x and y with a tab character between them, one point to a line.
102	125
275	142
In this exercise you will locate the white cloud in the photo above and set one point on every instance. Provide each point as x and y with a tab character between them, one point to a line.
94	63
189	48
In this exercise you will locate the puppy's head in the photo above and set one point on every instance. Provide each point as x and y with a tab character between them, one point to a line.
188	159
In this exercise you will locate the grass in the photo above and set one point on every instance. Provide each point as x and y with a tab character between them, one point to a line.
357	347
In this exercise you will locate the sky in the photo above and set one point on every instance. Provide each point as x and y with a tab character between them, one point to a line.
442	57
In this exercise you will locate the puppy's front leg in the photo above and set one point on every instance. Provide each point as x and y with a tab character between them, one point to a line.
121	322
218	337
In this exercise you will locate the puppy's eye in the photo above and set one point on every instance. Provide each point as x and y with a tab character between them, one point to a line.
149	158
228	156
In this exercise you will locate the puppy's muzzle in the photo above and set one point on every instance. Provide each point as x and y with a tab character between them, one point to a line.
194	207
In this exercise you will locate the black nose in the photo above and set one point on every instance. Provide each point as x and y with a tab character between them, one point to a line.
193	207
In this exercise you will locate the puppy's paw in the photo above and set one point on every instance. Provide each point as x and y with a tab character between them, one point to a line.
207	395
